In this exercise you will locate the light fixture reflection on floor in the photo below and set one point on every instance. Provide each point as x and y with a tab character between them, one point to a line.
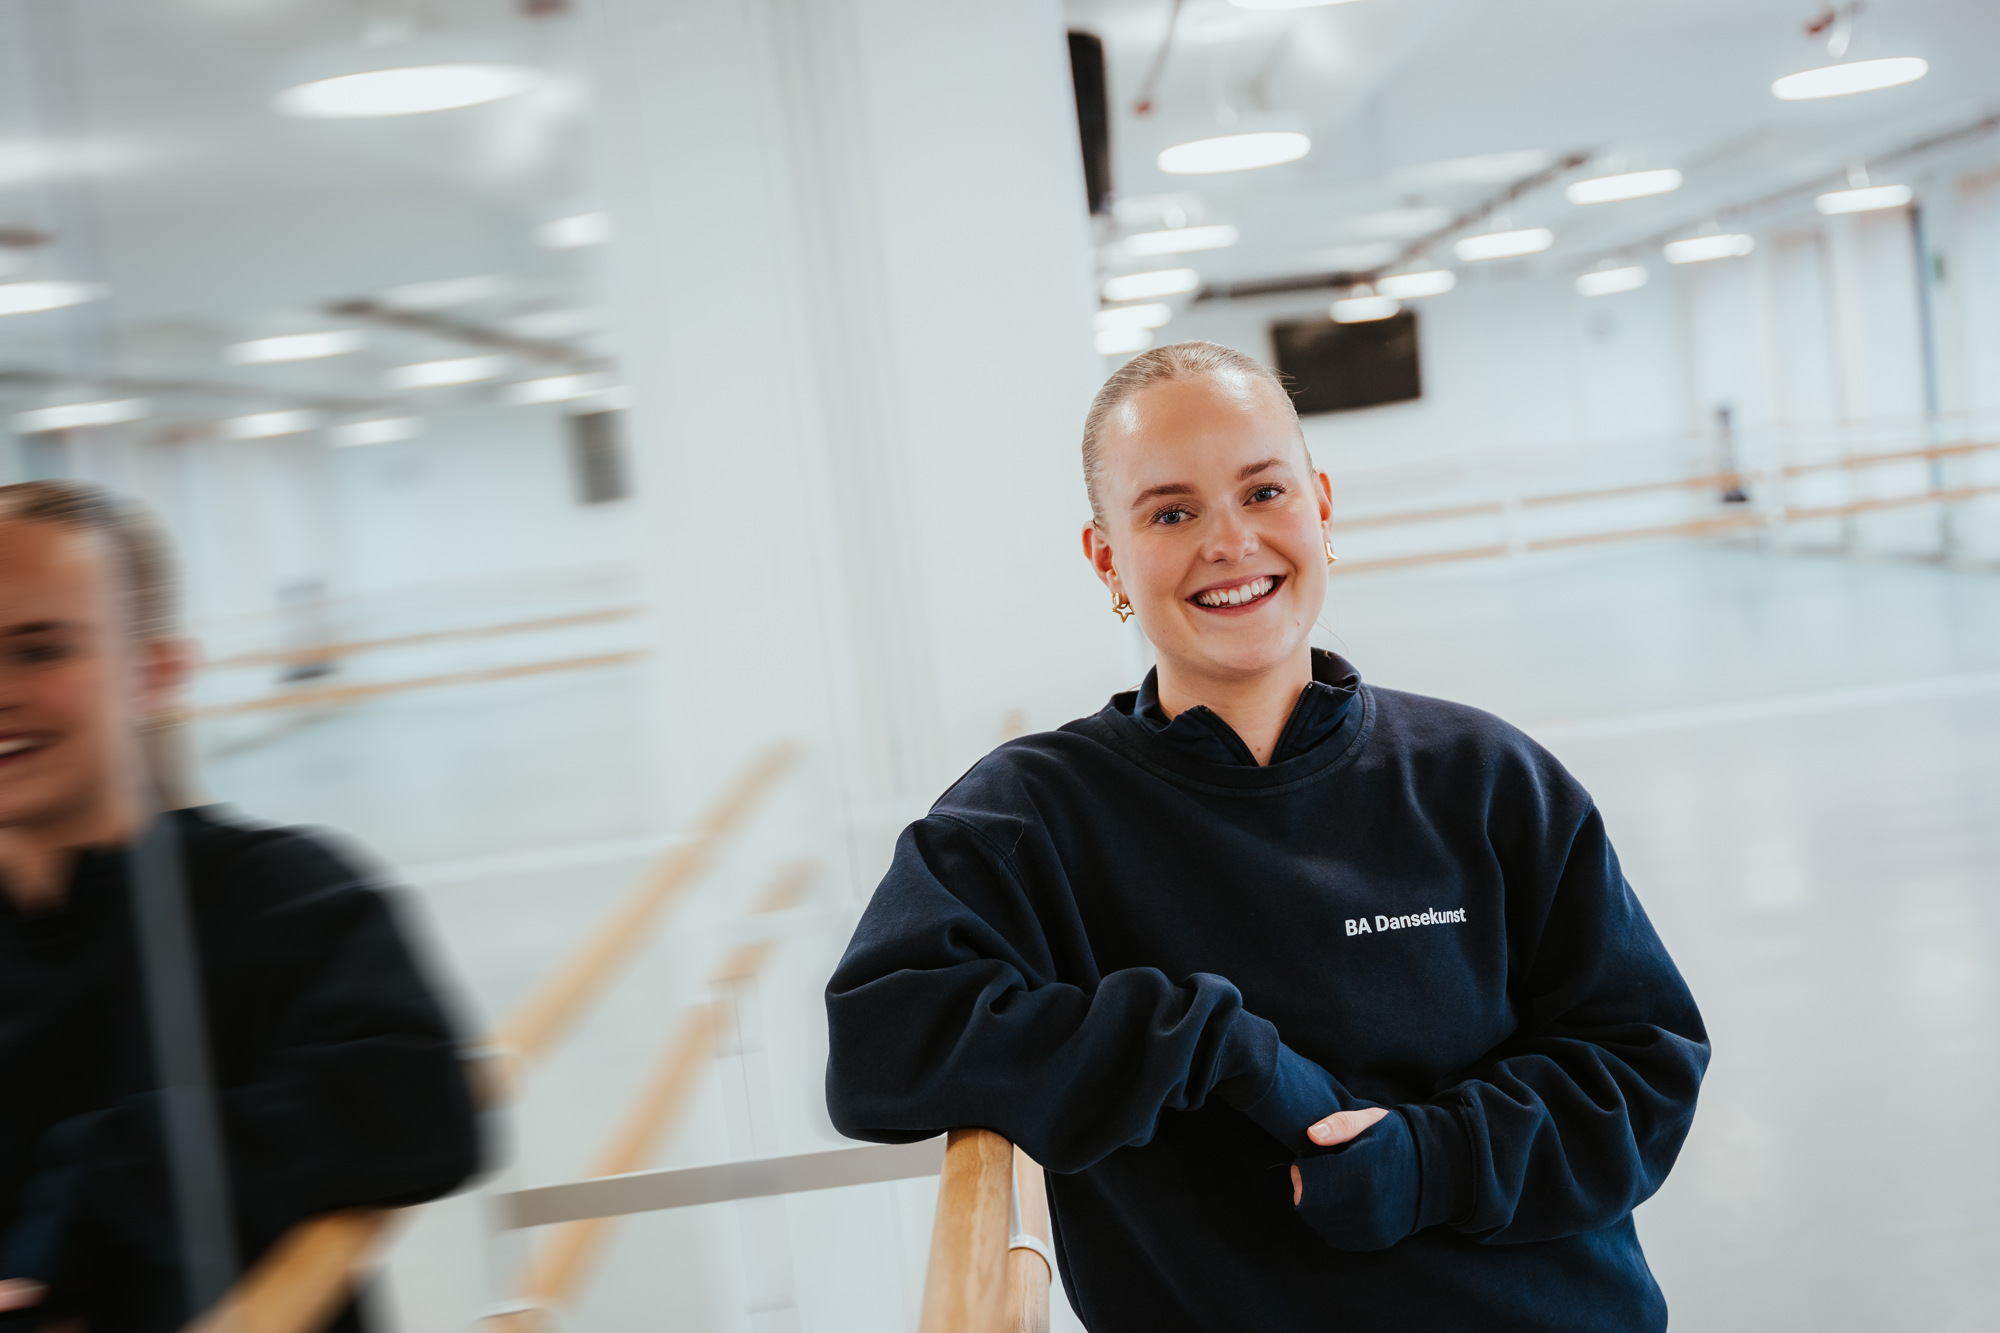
1700	249
1856	76
71	416
1153	283
1181	240
1150	316
1234	152
1865	199
1405	286
1611	281
1363	307
1120	342
1504	244
1626	185
409	90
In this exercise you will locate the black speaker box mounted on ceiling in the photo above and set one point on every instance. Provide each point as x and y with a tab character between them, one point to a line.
1093	116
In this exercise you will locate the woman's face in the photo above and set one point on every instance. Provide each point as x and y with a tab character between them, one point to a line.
1214	525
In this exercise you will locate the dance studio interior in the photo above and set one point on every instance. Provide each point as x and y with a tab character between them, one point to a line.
622	460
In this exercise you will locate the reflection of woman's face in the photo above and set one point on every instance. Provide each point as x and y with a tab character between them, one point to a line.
1214	524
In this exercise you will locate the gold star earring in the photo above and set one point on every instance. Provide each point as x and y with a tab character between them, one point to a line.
1121	606
1330	556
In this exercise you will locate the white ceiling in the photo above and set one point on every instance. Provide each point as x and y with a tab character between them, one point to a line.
1395	92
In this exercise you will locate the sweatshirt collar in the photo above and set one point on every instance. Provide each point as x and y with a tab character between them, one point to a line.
1199	734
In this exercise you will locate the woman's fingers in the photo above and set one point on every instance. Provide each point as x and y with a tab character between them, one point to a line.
1298	1185
18	1293
1343	1125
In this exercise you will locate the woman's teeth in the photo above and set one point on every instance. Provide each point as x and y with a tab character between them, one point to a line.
16	745
1237	596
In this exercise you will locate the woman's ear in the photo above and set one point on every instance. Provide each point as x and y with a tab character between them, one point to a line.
166	666
1098	552
1324	485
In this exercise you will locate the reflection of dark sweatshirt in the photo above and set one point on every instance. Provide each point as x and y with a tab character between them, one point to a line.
339	1075
1153	964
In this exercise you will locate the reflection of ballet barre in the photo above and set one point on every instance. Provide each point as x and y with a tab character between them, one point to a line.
1699	527
1705	481
330	696
302	1281
328	652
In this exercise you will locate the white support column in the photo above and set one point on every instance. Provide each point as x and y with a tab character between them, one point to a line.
852	287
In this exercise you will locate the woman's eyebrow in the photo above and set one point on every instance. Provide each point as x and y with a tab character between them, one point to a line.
37	627
1253	469
1154	492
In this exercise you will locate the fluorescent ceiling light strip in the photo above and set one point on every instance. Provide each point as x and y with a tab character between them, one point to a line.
1234	152
1699	249
1856	76
1404	286
1504	244
1629	185
1117	342
1610	281
1155	283
1181	240
555	388
387	430
294	347
442	374
1865	199
264	425
1149	316
575	231
27	298
412	90
71	416
1364	309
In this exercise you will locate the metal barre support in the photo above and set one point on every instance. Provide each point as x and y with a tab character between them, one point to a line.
685	1187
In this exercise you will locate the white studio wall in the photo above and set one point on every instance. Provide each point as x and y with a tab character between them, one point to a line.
866	499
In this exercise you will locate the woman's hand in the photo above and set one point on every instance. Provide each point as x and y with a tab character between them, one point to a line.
19	1293
1335	1129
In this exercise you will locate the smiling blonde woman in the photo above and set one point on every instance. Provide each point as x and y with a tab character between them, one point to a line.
1324	1005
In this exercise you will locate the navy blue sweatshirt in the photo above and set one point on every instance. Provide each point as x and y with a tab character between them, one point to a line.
338	1069
1153	964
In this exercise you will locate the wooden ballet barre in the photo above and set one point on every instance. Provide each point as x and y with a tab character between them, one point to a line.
327	652
301	1281
990	1261
331	696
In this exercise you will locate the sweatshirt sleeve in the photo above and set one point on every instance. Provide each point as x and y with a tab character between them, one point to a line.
1576	1120
947	1012
355	1094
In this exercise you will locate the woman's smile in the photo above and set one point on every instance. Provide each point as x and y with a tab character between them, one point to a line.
1238	597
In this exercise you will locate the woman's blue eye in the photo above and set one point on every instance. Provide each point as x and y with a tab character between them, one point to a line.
1267	492
1170	517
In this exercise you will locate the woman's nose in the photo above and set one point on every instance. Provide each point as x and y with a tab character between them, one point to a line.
1231	539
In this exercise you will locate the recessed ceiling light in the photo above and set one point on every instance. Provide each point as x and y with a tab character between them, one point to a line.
1505	244
556	388
1865	199
1430	282
25	298
1151	284
443	293
1132	317
70	416
1627	185
1119	342
264	425
1609	281
1363	309
1699	249
575	231
294	347
442	374
1234	152
1856	76
411	90
1181	240
385	430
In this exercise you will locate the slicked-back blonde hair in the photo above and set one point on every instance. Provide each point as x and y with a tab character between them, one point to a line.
143	563
1161	365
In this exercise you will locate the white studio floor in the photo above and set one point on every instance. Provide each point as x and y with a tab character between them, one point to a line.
1798	758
